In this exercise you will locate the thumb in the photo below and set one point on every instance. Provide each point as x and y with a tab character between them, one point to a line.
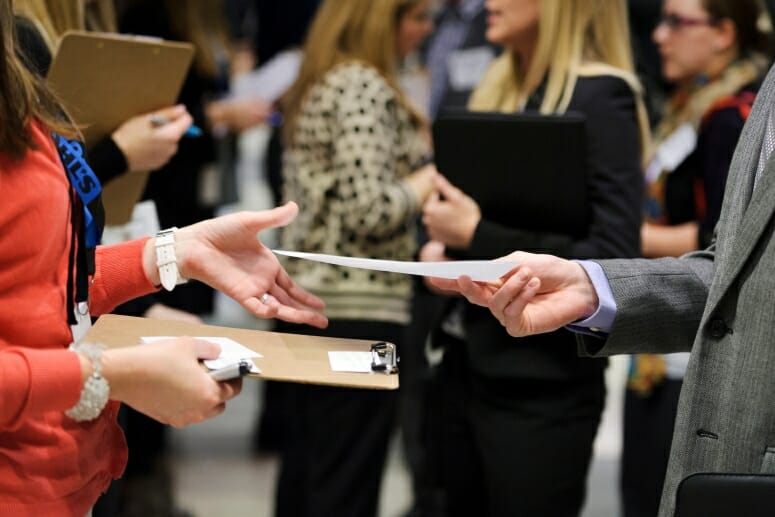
433	199
170	113
445	188
276	217
177	128
206	349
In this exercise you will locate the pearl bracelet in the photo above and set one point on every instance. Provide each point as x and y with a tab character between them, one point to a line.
96	390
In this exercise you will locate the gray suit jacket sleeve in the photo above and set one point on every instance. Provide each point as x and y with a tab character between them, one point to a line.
659	304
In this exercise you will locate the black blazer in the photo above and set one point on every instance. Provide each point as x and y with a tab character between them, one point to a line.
615	190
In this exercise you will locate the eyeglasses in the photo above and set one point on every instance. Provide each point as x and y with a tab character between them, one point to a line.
676	21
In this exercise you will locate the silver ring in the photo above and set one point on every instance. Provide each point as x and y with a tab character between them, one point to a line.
265	298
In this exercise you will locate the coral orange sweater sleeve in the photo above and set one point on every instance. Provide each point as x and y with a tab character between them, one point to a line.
35	381
119	276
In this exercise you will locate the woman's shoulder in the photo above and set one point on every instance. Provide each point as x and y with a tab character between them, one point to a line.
732	109
602	93
608	83
352	86
355	75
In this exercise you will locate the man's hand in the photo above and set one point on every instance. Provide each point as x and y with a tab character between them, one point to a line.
543	293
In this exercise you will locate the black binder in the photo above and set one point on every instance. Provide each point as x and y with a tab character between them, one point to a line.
726	495
525	170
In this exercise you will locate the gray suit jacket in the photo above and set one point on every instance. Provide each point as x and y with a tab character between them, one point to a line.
718	304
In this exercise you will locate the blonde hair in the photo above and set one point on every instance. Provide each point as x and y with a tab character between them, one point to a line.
350	30
575	38
52	18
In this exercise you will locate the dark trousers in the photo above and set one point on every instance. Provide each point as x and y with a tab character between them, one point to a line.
648	433
514	447
334	455
415	376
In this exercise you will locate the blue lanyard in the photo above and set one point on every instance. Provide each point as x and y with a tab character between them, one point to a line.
84	181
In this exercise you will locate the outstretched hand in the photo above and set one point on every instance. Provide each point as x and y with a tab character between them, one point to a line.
542	294
226	254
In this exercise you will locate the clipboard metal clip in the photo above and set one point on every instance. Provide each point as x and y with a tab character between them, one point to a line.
384	358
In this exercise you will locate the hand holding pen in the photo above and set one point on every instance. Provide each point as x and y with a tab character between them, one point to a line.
148	141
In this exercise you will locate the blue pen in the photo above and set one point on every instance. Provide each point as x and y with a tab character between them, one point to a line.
193	130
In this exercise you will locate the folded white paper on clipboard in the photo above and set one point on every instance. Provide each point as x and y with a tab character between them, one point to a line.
478	270
231	351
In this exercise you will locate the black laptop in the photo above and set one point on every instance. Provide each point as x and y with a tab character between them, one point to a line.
525	170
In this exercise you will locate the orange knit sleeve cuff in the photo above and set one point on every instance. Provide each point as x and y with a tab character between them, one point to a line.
119	276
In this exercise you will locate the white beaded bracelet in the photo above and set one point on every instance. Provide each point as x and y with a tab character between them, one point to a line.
96	390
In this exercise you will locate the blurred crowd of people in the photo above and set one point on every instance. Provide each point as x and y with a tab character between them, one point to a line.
500	425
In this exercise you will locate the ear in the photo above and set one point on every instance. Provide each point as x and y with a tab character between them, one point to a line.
726	35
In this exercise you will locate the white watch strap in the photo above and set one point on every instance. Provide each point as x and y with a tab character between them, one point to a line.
166	260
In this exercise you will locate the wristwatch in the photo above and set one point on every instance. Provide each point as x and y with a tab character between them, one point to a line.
96	390
166	260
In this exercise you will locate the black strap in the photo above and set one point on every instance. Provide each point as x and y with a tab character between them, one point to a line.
81	261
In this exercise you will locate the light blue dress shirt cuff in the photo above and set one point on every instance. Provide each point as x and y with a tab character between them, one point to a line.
600	323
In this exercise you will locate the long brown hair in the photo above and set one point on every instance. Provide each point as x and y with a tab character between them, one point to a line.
745	14
349	30
23	96
53	18
203	23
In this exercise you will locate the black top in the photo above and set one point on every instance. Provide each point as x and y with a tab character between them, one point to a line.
615	189
30	47
175	187
281	25
694	191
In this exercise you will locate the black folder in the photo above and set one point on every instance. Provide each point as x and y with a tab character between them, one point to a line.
525	170
726	495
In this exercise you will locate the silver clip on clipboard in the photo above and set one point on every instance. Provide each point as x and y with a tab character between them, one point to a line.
384	358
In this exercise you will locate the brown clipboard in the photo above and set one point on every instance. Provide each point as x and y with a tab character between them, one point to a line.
286	357
104	79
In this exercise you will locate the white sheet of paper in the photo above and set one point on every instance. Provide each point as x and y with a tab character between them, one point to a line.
357	362
271	80
478	270
231	351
